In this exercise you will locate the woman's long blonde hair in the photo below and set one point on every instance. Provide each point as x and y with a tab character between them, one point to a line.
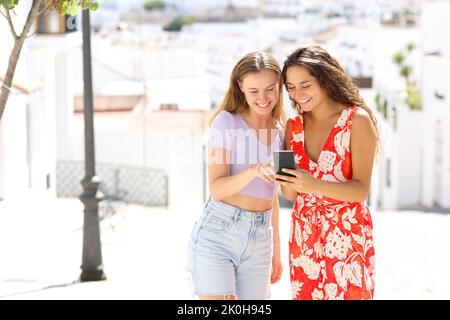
234	100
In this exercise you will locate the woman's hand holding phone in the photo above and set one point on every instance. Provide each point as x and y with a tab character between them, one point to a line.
290	176
265	171
301	181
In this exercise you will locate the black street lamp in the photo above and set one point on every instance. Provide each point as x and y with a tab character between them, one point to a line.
92	265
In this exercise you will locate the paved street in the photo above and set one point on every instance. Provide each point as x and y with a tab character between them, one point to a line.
144	253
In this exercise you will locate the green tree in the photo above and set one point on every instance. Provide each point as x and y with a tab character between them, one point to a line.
64	7
400	58
150	5
178	23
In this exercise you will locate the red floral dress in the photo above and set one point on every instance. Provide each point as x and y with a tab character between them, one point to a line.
331	252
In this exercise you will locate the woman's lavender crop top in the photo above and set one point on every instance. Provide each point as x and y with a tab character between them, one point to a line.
230	131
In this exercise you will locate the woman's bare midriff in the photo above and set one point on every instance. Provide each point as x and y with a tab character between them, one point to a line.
248	203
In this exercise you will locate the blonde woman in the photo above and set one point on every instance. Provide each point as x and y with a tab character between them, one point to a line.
234	250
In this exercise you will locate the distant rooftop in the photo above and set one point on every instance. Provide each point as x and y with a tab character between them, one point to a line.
110	103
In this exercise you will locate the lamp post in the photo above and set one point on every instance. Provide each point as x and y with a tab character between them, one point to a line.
92	265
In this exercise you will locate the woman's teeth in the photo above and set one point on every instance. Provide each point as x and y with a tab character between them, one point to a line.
304	101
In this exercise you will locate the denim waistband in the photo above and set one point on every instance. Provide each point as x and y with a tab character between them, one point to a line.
239	214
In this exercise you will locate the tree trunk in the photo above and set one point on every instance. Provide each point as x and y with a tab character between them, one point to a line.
15	54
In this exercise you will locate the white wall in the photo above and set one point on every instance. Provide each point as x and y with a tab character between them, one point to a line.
41	144
387	41
401	147
436	77
54	107
435	22
409	153
27	149
445	173
64	93
132	139
436	137
388	167
400	165
354	48
195	4
189	93
13	149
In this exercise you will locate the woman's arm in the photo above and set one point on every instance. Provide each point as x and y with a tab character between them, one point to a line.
362	149
275	224
288	193
276	257
363	143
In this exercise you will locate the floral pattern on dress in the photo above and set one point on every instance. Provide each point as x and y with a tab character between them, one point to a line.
331	248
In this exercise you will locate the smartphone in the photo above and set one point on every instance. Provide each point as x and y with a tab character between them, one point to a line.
284	159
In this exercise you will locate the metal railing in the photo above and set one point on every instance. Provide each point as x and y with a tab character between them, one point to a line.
138	185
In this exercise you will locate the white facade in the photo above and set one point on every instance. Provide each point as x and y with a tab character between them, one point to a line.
400	174
223	44
193	4
399	169
166	140
354	48
27	148
284	7
190	93
14	169
436	138
436	102
435	22
169	70
27	155
415	169
165	74
386	42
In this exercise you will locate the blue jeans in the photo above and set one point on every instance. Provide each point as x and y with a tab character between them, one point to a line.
230	252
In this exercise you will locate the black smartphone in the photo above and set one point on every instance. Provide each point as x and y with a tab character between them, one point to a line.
284	159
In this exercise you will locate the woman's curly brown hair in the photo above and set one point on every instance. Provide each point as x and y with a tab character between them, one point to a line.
331	76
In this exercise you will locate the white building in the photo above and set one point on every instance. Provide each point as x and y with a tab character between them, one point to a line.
354	48
436	103
27	144
166	68
415	170
367	51
223	44
284	7
193	4
134	85
21	144
400	166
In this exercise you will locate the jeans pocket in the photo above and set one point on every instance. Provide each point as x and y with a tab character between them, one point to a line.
216	223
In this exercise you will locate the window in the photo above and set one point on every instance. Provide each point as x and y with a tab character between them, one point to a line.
47	180
168	106
388	173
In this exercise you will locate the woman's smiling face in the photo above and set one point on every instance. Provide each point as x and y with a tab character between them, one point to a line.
304	89
261	91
